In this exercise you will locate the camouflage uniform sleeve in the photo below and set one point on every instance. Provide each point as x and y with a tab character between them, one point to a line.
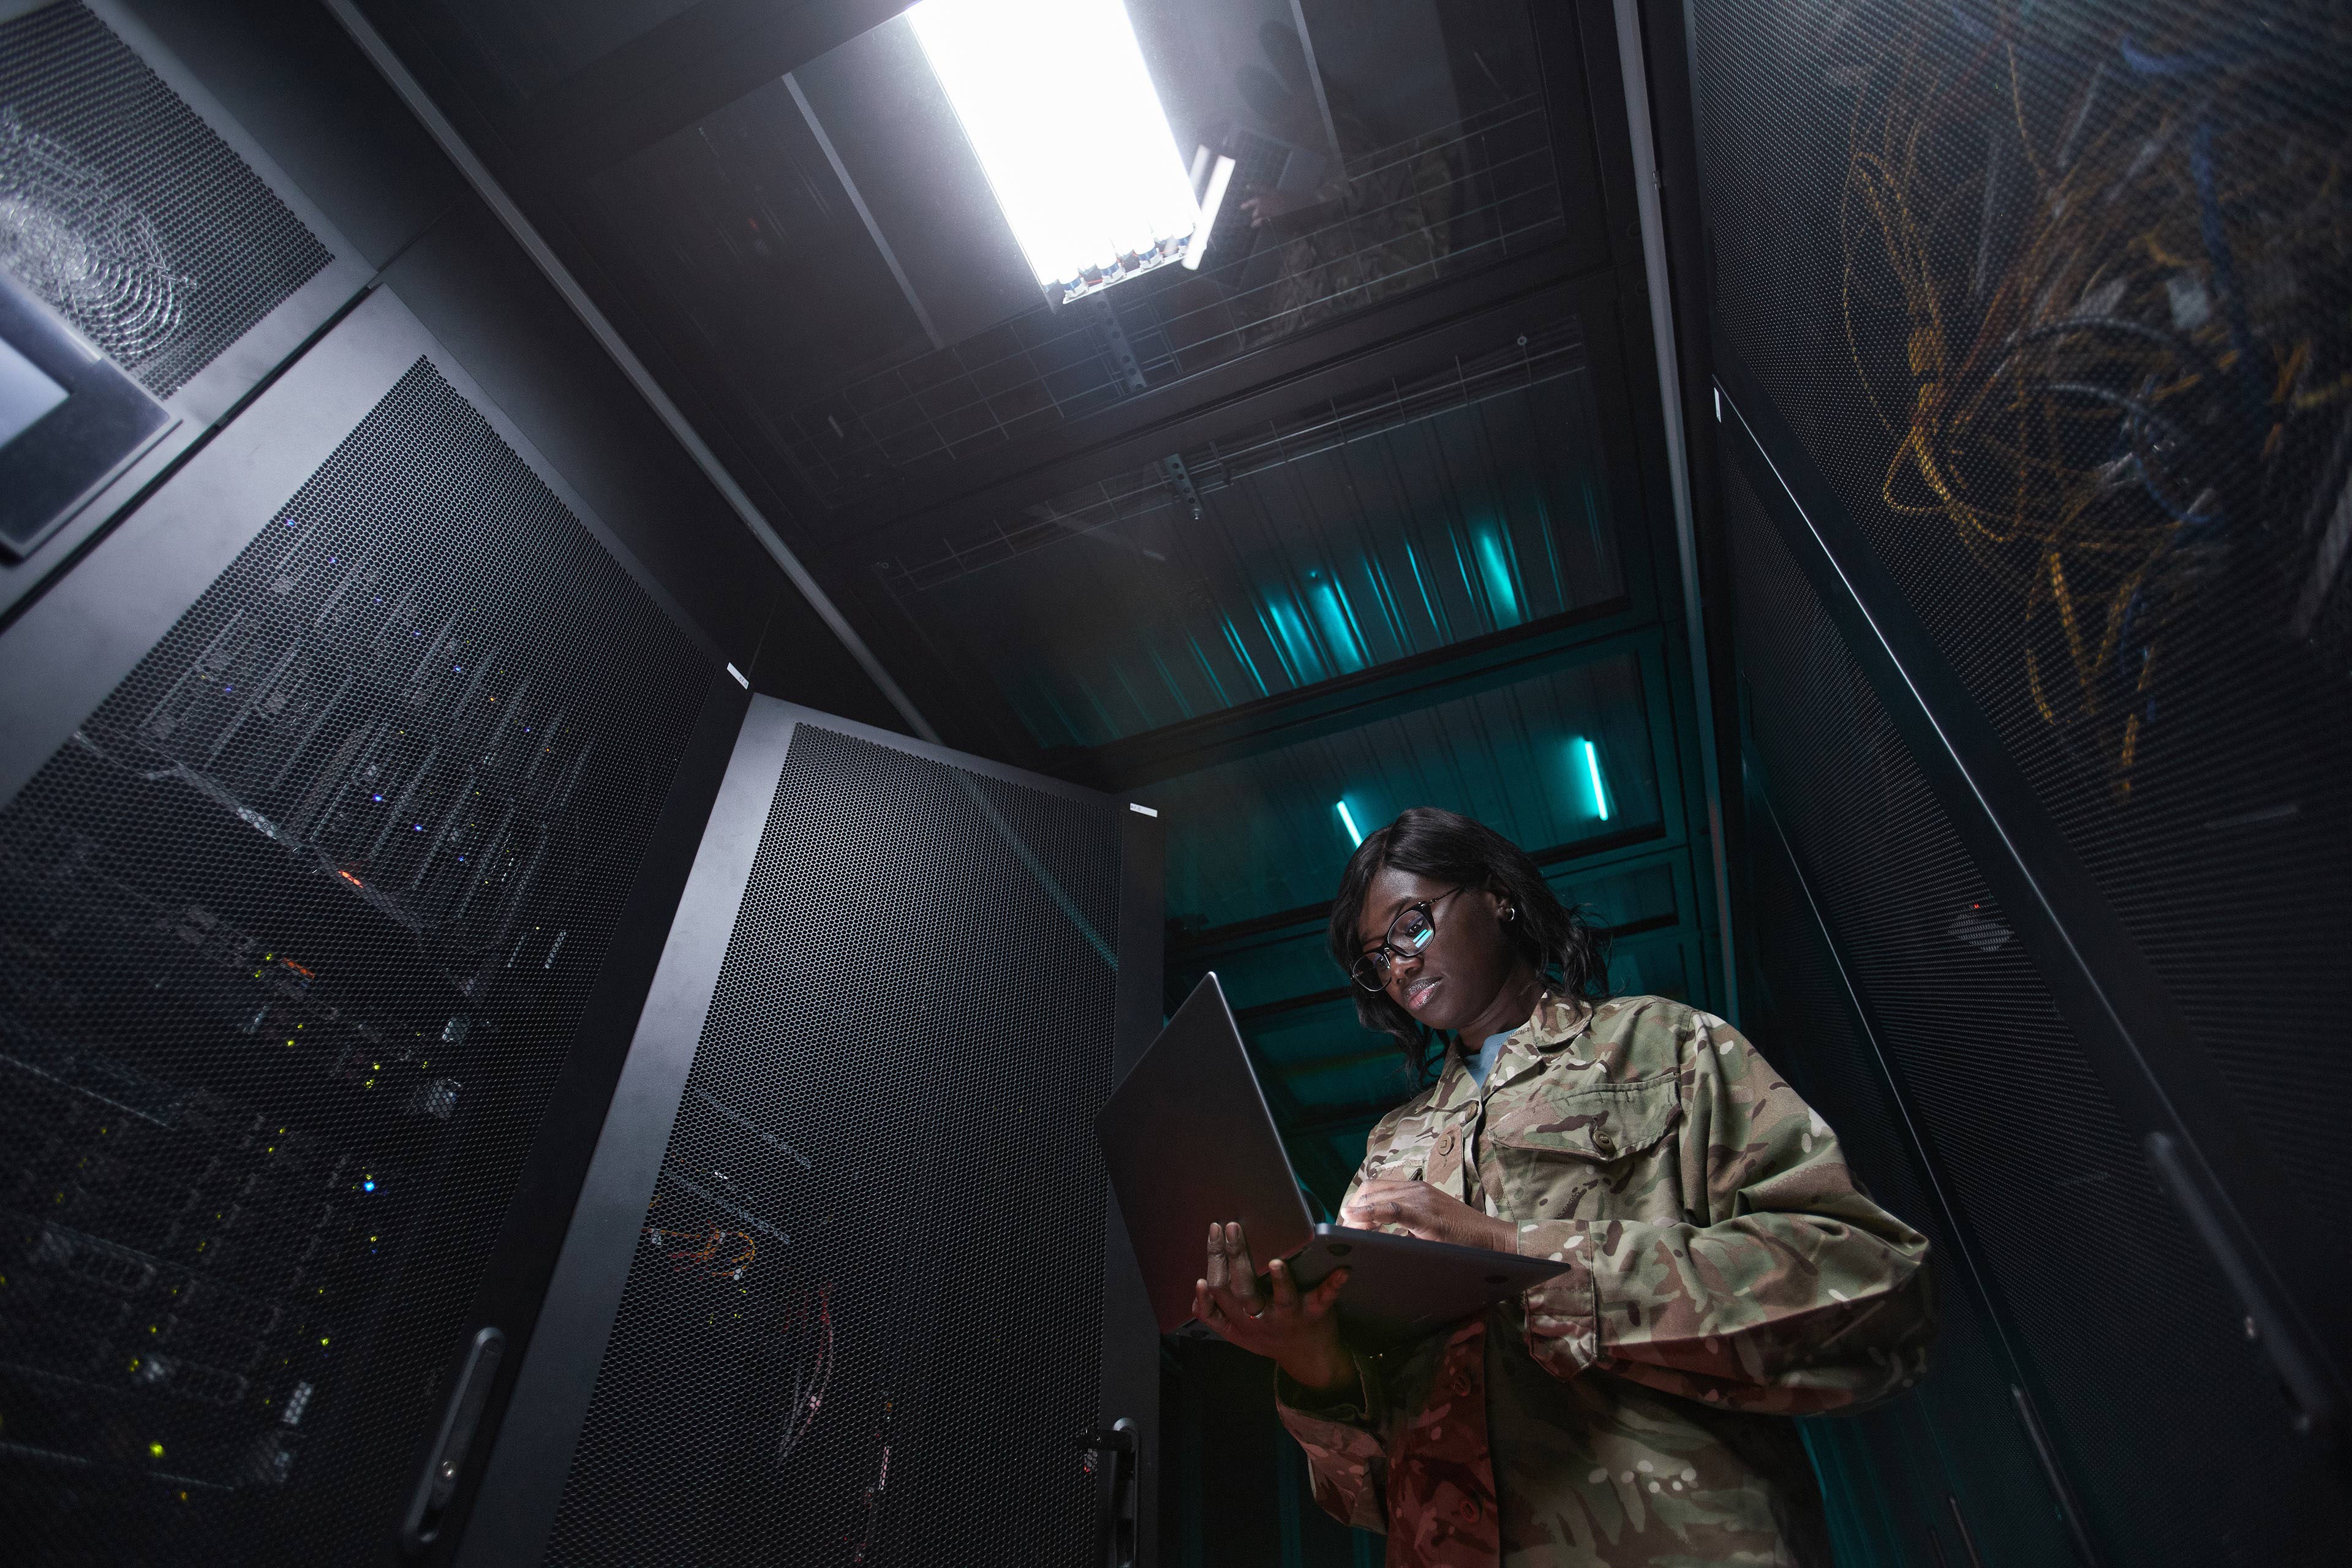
1786	1290
1344	1434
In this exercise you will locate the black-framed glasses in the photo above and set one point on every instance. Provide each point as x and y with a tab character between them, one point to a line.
1408	934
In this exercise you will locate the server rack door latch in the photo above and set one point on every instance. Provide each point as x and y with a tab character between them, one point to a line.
1114	1455
446	1459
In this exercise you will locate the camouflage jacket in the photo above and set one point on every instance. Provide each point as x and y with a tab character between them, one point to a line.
1728	1271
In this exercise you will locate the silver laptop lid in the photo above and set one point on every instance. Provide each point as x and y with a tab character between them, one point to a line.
1189	1140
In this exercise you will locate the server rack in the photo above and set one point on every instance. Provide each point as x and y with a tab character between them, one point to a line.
846	1283
312	901
2041	663
146	217
332	911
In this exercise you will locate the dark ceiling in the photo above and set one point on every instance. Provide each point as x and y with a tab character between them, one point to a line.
1369	509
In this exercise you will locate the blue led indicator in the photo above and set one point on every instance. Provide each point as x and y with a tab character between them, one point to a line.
1348	821
1592	772
368	1185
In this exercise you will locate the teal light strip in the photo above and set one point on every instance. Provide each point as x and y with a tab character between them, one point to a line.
1593	771
1502	582
1340	634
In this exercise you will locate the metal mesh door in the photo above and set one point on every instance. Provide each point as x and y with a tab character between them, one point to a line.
2164	1414
298	929
2054	297
863	1320
126	212
1955	1453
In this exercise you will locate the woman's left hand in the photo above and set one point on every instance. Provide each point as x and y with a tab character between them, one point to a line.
1419	1209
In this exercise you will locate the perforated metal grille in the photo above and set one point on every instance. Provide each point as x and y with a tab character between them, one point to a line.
2056	298
864	1321
298	927
2165	1412
126	212
1889	1475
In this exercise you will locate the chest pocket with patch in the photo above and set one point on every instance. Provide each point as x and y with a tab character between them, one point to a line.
1605	1151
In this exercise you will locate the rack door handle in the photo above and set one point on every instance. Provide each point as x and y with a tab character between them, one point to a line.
460	1415
1117	1455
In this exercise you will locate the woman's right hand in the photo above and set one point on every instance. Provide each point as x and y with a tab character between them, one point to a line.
1299	1332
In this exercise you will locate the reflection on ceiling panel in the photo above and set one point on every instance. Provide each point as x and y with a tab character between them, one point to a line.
1321	546
858	299
1548	760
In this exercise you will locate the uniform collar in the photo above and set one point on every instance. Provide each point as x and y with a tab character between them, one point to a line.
1455	1087
1551	1028
1550	1032
1555	1021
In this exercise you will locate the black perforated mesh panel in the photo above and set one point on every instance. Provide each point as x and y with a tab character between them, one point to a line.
2167	1413
2055	299
863	1323
126	212
1890	1474
298	930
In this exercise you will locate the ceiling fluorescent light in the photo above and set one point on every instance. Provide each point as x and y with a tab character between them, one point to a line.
1060	110
1348	821
1210	201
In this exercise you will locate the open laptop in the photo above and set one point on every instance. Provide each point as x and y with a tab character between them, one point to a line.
1189	1140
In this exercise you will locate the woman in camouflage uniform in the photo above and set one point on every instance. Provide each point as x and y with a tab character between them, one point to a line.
1728	1269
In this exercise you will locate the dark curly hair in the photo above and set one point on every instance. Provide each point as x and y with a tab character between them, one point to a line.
1570	952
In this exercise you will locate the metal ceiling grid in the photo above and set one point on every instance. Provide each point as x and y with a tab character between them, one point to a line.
1232	573
1051	366
1382	406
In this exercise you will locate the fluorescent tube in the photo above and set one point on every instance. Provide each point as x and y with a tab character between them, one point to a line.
1593	771
1061	113
1211	200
